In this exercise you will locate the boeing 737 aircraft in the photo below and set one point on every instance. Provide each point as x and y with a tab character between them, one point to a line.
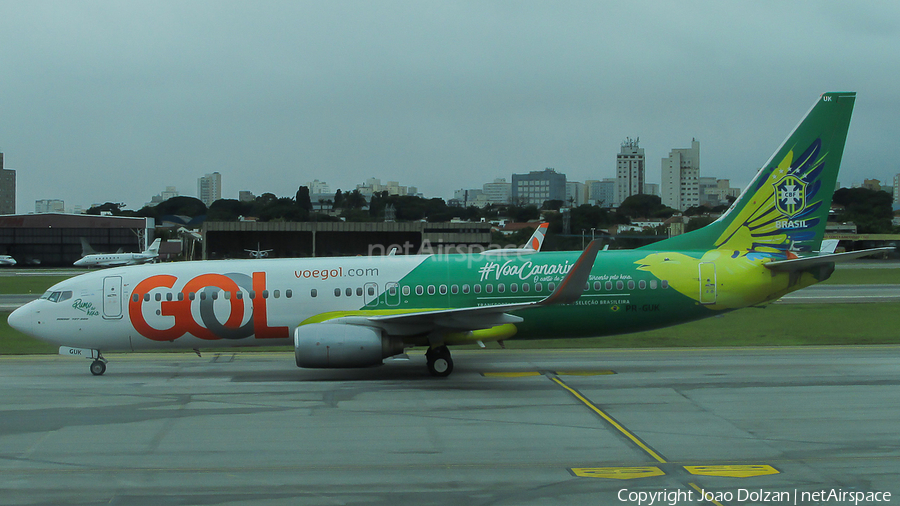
7	260
120	259
356	311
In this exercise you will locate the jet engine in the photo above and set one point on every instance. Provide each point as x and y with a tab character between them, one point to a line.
321	345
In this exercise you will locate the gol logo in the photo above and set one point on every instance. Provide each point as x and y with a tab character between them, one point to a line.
211	328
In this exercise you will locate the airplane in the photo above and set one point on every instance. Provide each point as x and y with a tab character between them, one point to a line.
259	253
357	311
119	259
7	260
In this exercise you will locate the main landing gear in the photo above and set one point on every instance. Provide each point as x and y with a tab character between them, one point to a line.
439	361
98	366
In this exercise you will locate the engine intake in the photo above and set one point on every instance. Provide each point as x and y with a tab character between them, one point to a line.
323	345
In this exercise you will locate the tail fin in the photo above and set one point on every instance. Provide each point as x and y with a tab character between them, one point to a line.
154	248
786	205
537	238
86	248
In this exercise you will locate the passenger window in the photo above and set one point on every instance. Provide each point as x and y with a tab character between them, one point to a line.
653	284
265	294
215	295
359	291
664	283
526	287
538	287
477	288
202	296
620	285
631	284
337	292
226	295
454	289
443	289
371	290
642	284
609	285
430	289
289	293
349	292
551	286
134	297
158	297
419	290
239	295
465	288
276	293
488	288
513	287
180	296
405	290
191	296
501	288
597	286
313	293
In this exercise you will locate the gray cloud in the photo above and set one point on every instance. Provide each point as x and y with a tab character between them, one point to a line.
115	100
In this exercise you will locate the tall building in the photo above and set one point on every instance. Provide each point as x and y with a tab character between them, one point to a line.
49	206
209	188
498	192
603	193
629	170
681	177
538	186
7	189
316	186
897	189
576	193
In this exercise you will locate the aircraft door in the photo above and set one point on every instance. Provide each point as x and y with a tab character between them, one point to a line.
370	294
392	293
112	297
707	283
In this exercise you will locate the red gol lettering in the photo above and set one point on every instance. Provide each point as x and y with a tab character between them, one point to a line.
180	310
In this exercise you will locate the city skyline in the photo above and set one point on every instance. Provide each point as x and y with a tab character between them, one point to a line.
112	98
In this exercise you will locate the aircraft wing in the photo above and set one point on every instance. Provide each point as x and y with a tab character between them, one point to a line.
480	317
795	264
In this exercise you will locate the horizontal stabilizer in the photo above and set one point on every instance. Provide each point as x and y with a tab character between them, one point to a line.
795	264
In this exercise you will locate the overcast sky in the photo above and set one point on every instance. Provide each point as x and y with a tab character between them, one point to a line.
113	101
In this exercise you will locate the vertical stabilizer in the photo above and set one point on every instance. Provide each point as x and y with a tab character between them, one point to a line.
786	205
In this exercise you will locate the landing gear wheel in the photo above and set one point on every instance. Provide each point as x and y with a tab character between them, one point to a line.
98	367
440	363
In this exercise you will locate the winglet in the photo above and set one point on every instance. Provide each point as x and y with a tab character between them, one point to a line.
572	286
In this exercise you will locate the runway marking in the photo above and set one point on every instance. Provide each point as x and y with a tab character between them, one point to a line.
525	374
612	421
618	473
700	491
745	471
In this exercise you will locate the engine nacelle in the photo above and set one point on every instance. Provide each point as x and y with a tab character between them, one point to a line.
320	345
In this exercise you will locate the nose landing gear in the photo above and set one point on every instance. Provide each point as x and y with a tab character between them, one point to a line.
98	366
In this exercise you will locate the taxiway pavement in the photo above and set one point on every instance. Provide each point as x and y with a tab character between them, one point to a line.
508	427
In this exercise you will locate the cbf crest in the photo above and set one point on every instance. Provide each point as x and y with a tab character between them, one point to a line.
790	195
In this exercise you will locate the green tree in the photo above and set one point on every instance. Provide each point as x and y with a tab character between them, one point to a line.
303	200
870	210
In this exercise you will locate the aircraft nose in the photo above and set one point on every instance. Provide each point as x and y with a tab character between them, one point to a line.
22	319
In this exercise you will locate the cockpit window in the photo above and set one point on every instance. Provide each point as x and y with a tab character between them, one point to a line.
57	296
